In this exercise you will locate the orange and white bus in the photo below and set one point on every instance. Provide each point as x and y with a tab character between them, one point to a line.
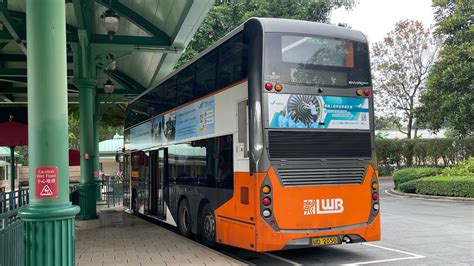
265	141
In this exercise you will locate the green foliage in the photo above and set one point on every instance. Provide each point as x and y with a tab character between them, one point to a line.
227	15
408	187
412	173
387	122
466	168
454	186
394	152
449	99
400	64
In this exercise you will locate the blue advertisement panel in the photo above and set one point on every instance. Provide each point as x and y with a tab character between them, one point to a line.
312	111
194	120
140	136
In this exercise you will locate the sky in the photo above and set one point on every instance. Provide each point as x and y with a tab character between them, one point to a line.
375	18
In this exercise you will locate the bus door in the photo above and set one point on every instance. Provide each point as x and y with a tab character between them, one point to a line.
162	182
154	183
158	182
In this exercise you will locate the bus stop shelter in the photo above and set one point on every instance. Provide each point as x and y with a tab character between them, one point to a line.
86	52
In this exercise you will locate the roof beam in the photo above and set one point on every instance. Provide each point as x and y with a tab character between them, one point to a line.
22	16
21	72
137	19
9	24
126	81
5	98
24	90
21	58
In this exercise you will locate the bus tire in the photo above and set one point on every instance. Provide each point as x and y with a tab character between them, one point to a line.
207	224
184	218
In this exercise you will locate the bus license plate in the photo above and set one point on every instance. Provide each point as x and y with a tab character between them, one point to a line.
323	241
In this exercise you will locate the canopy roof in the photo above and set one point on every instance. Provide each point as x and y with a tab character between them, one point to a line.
149	42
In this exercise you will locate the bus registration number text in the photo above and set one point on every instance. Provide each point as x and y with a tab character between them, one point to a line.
323	241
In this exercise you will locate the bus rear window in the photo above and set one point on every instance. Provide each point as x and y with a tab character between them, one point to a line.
316	51
315	60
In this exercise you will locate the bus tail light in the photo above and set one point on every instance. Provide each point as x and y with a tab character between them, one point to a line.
367	92
278	87
376	207
375	196
375	185
359	92
266	189
267	213
266	201
268	86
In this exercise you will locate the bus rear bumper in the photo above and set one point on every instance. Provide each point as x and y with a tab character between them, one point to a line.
271	240
307	242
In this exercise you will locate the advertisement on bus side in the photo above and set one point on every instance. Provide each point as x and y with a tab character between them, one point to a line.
312	111
194	120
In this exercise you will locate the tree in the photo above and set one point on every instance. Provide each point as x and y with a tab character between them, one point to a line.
227	15
386	122
401	63
449	98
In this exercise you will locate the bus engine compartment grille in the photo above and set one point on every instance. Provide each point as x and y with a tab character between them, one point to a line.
323	144
321	176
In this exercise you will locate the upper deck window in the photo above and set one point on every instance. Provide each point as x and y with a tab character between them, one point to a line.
317	51
315	60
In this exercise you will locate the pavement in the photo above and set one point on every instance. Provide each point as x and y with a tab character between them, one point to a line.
118	238
415	231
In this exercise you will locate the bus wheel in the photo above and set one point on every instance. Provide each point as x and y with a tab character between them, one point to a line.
184	219
207	228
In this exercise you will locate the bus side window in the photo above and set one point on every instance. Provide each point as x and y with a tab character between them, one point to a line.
242	128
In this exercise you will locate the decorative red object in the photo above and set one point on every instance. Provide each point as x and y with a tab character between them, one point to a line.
46	182
13	134
74	157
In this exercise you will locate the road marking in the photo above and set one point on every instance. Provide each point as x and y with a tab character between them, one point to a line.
281	258
412	255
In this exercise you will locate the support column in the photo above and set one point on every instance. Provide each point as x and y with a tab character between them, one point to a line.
12	177
96	144
48	220
88	187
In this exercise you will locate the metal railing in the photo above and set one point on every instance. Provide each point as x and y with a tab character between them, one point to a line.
11	226
111	192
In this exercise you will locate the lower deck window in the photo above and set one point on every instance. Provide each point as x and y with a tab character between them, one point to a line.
207	162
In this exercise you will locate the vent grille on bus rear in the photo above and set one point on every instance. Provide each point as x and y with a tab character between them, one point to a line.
307	144
321	176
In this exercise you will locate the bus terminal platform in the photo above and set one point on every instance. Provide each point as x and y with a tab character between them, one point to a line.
120	238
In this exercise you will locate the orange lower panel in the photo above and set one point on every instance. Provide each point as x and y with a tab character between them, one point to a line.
240	224
269	240
235	233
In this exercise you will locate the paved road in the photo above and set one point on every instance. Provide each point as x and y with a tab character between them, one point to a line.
414	231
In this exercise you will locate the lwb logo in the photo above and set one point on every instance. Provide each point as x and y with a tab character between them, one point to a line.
323	206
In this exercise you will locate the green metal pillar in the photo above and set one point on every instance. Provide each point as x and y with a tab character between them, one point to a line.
88	187
48	221
12	177
96	144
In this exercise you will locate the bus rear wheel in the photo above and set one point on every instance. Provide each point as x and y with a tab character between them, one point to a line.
184	218
207	230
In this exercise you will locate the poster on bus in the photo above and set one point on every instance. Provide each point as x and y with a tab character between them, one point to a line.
313	111
195	120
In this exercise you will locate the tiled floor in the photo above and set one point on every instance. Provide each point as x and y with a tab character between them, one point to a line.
118	238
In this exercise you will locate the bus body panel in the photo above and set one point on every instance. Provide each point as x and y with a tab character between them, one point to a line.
238	210
236	219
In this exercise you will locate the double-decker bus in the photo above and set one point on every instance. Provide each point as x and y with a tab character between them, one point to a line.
265	141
